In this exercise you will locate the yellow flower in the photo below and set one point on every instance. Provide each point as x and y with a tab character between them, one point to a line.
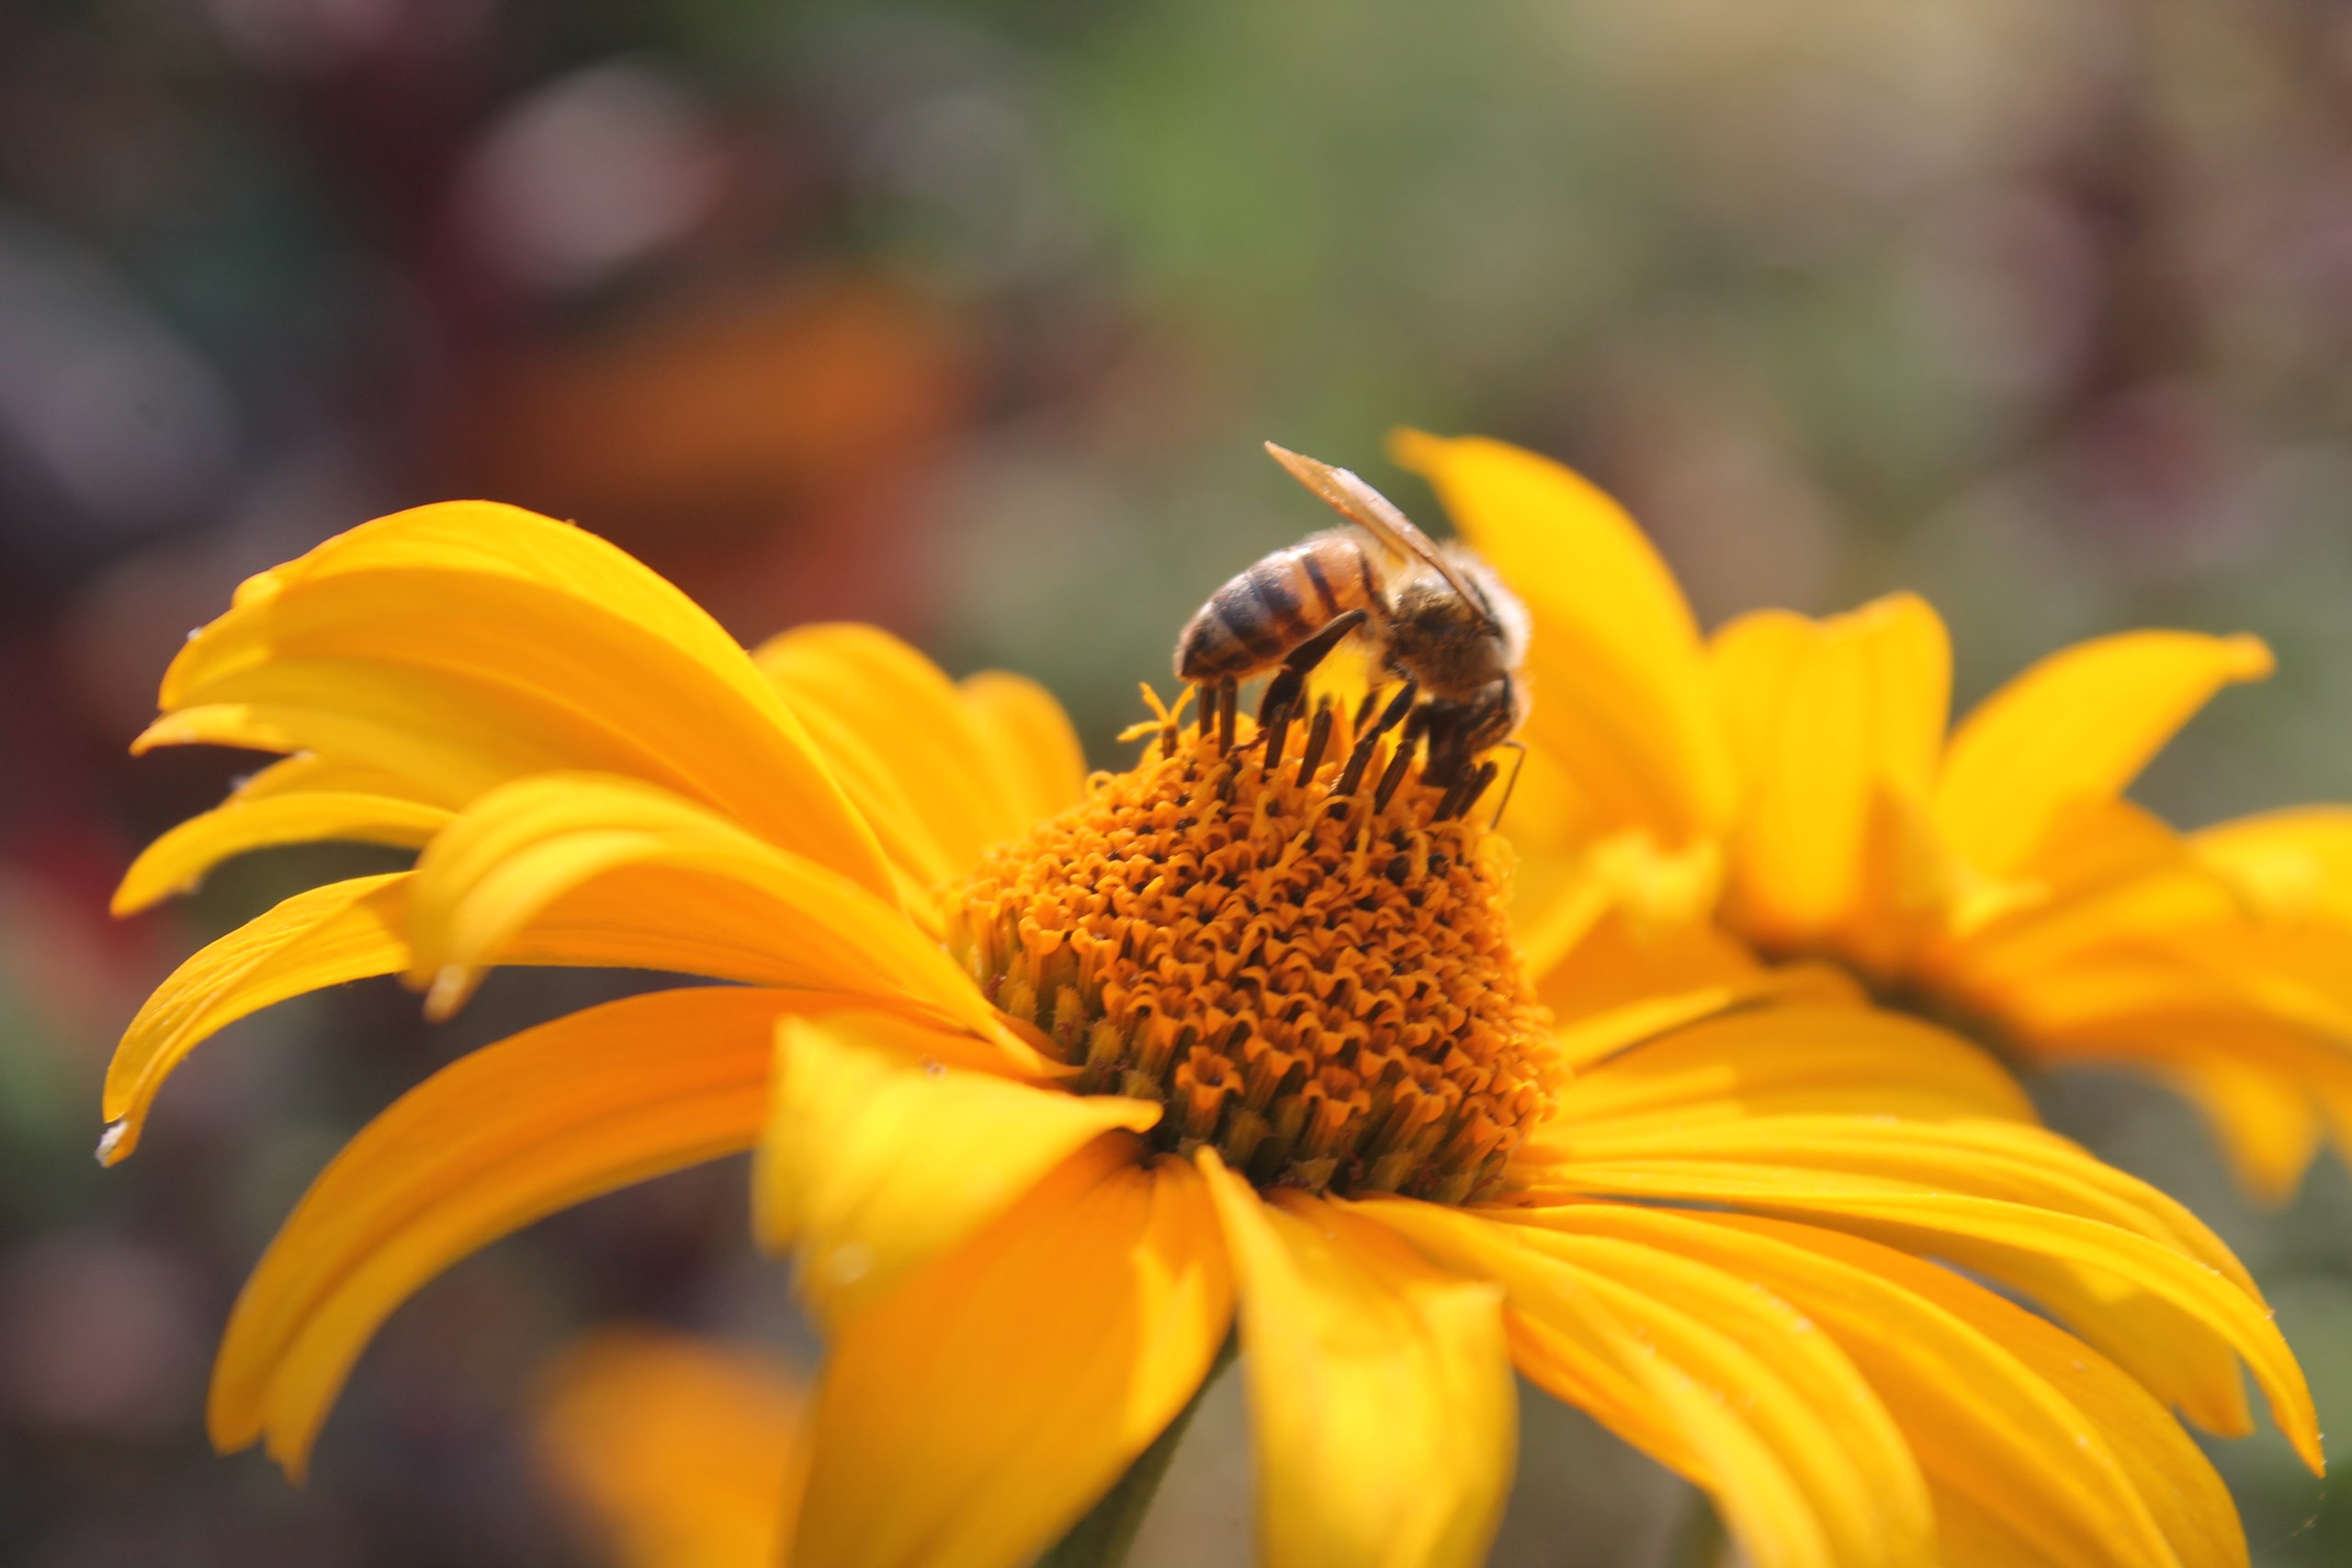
678	1452
1792	782
1055	1080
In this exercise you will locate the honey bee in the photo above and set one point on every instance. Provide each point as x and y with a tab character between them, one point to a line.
1437	617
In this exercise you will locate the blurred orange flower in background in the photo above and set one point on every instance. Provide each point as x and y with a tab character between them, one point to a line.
677	1451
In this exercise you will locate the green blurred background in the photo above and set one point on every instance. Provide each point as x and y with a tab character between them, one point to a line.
968	318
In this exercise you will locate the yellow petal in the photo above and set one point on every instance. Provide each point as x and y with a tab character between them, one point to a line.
496	868
2017	1164
2077	726
2166	1313
178	861
1624	966
1798	1388
929	740
2267	1085
345	931
2002	1409
2121	888
2294	864
1751	659
467	642
971	1416
2269	1126
641	917
1614	651
683	1450
875	1160
1041	767
1779	1061
417	726
1635	1021
501	1137
1380	1389
1860	711
1766	1414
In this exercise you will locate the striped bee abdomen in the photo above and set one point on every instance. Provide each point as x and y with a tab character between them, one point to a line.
1275	604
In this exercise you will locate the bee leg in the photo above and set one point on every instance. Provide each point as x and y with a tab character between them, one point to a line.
1275	729
1361	757
1290	680
1228	699
1393	779
1446	761
1465	792
1319	740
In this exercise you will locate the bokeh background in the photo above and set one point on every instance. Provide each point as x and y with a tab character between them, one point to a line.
967	319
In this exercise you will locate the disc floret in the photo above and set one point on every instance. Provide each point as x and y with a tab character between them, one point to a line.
1306	961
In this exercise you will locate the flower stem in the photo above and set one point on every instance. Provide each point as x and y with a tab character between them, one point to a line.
1101	1540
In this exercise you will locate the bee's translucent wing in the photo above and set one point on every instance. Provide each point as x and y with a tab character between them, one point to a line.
1374	513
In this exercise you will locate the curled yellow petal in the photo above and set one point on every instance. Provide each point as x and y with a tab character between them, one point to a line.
1379	1388
2076	728
875	1159
345	931
178	861
641	917
518	851
466	643
970	1416
501	1137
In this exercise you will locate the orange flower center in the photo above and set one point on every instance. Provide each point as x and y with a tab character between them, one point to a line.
1308	964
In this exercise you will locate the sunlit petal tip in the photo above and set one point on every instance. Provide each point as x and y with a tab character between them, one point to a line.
136	897
297	800
449	990
345	930
164	729
2073	731
1415	450
2250	658
885	1146
116	1143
